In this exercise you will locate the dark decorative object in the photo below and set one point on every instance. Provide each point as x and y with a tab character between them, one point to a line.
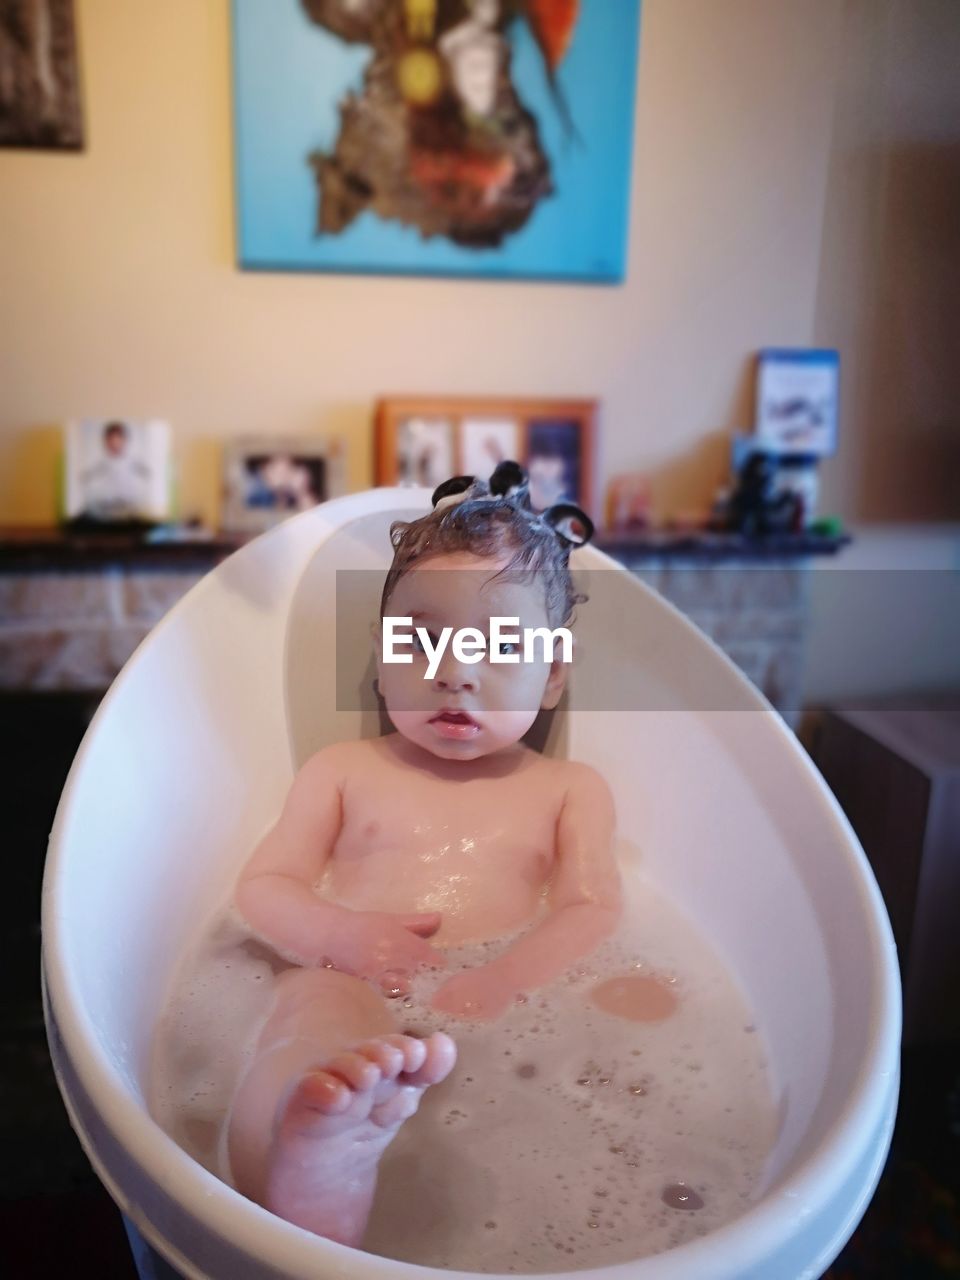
757	506
39	76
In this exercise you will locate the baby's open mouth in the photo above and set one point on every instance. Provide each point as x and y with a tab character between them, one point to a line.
451	723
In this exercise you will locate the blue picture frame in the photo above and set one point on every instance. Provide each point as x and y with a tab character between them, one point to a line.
297	84
797	400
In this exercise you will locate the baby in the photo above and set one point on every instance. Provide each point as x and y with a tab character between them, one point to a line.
447	832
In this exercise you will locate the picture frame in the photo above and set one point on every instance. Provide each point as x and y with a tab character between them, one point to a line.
472	138
797	401
40	104
117	471
427	439
267	479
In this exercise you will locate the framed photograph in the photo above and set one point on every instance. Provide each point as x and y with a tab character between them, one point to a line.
39	76
486	442
267	479
629	502
424	450
797	401
117	471
554	440
455	138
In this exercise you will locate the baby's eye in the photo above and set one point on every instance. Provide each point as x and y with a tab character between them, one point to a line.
508	646
418	645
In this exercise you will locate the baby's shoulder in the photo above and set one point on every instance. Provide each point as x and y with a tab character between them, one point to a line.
339	759
567	774
573	778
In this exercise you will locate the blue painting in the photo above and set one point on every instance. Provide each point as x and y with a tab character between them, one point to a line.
484	138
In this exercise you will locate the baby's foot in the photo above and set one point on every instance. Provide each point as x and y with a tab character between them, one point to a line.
336	1123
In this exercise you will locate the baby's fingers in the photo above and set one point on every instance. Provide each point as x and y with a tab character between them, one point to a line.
426	955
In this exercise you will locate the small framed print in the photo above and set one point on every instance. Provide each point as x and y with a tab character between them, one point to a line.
117	471
486	442
797	396
267	479
426	440
425	450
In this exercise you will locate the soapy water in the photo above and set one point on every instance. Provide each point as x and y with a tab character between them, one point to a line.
566	1137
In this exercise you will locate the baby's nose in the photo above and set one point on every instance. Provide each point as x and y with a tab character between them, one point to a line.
455	677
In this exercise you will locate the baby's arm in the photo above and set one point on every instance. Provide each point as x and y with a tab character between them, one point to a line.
276	894
584	903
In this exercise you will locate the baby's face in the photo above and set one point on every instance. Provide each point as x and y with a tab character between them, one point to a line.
466	710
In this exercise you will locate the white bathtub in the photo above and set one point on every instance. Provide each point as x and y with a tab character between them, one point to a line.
192	752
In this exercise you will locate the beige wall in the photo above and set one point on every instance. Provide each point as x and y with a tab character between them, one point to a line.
890	266
119	294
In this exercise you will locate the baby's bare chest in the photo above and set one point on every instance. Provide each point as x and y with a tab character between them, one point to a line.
440	830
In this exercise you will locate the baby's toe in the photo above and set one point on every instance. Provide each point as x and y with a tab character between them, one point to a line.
399	1106
387	1057
414	1051
356	1070
440	1055
319	1091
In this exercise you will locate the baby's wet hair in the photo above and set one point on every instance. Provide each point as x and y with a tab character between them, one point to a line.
492	528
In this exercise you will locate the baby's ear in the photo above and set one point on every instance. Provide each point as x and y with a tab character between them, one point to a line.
556	681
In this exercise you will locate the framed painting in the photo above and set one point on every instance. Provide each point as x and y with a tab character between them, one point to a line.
39	76
424	440
435	137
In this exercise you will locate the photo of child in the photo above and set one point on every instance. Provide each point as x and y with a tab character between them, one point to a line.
424	451
117	471
486	442
267	480
281	482
554	462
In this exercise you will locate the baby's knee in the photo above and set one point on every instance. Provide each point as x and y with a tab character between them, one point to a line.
297	987
313	1001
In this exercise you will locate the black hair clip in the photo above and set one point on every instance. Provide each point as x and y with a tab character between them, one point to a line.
569	523
451	488
508	478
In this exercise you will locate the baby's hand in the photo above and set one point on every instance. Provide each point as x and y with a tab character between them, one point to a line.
482	993
375	943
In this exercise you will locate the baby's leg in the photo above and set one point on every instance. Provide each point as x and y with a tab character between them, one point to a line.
310	1122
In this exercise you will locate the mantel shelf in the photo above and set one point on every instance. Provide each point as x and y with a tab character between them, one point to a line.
25	549
39	549
700	545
